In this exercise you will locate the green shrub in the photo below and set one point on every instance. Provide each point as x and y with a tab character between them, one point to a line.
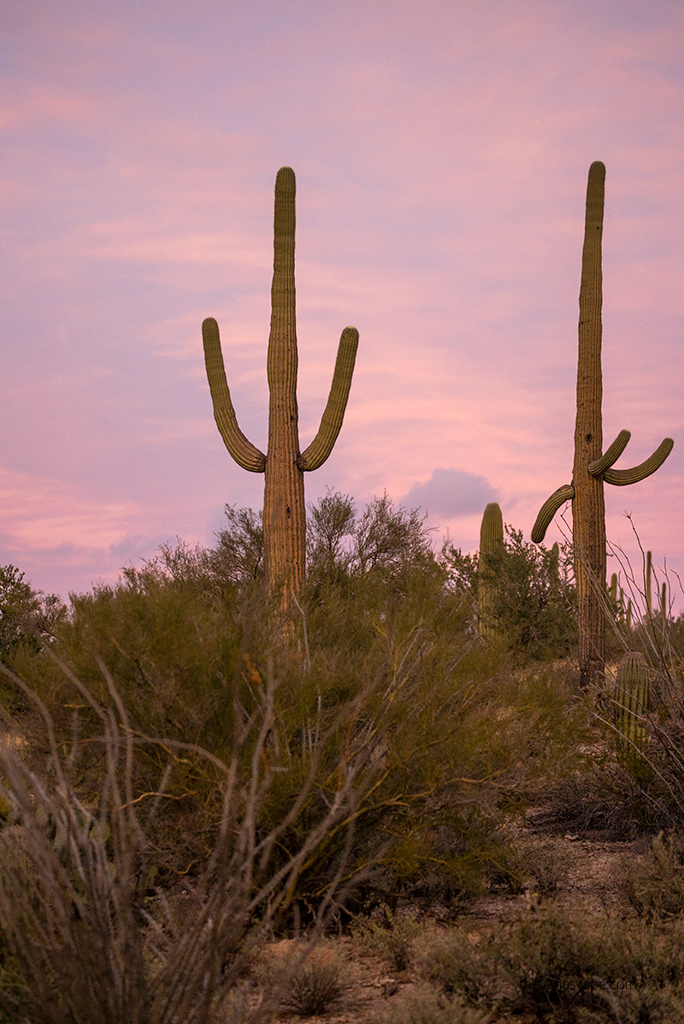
654	881
27	616
93	939
424	1006
557	967
383	666
532	608
390	935
537	866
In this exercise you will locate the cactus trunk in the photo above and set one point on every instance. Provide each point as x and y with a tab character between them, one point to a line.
284	506
588	506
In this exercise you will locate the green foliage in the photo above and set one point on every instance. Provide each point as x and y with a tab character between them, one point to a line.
390	935
91	938
422	1005
561	968
537	867
654	881
26	616
239	557
343	544
532	598
383	666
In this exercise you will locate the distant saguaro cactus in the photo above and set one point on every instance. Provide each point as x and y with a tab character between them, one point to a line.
631	703
491	548
591	468
283	464
648	586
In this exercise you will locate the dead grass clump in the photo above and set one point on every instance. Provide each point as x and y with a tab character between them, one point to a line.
315	985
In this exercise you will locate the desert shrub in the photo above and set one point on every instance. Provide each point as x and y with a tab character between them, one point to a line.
425	1006
10	982
397	670
27	616
654	881
238	558
316	985
91	937
382	660
390	935
606	799
342	543
463	966
649	779
533	597
536	866
561	968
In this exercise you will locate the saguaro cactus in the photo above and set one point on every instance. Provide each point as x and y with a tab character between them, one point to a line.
591	468
283	463
631	703
648	586
491	549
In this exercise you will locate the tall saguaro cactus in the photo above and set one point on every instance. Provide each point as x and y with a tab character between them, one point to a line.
283	463
591	468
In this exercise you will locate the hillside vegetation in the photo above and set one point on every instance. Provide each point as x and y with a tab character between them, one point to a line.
187	779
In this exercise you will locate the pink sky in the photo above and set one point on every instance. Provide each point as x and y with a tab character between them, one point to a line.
441	151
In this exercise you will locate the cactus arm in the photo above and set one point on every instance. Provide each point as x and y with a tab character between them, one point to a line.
599	466
549	509
242	450
622	477
331	421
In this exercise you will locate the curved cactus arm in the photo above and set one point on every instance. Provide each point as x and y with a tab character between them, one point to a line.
599	466
242	450
331	420
549	509
622	477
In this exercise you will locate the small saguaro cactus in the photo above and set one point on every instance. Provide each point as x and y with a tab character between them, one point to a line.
591	466
491	548
631	703
283	463
616	596
648	585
